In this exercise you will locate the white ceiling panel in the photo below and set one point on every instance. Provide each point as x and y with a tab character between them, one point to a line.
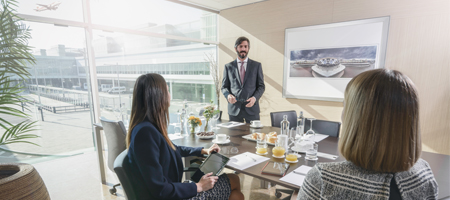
221	4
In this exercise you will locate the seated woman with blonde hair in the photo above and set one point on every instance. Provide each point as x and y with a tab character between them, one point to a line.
156	162
381	142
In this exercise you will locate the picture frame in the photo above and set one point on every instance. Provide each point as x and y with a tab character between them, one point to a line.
320	60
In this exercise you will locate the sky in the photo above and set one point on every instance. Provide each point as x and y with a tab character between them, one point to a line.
364	52
119	13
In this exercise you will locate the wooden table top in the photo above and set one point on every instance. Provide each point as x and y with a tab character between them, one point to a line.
440	164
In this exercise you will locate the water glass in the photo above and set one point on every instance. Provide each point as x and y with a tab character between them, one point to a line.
261	145
311	153
177	129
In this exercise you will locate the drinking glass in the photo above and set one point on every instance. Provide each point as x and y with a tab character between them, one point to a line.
280	146
311	153
292	135
261	145
310	132
214	119
292	156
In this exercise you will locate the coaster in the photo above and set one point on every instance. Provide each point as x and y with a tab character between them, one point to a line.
291	161
225	142
262	154
277	156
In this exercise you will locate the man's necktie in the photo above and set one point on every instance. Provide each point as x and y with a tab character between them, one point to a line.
242	73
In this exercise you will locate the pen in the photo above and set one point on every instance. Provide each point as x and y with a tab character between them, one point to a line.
299	173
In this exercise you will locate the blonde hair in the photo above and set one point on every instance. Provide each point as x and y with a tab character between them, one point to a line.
380	122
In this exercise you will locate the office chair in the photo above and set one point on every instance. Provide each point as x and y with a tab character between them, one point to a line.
133	184
324	127
277	117
115	134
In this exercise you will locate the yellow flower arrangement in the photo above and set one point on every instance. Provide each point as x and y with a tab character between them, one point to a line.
194	121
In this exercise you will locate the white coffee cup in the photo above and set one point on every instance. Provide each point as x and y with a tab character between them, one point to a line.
255	123
222	137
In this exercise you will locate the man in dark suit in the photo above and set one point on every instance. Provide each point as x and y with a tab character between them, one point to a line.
243	84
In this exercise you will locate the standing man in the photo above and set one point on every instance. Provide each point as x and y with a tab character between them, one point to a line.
243	84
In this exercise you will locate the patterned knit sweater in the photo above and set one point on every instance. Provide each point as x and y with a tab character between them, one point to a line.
344	180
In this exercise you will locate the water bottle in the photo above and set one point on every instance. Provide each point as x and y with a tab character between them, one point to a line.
285	125
285	131
300	125
184	123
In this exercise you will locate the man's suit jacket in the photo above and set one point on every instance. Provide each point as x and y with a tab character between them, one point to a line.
253	86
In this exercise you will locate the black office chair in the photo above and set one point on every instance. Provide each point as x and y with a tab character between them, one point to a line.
115	134
277	117
324	127
132	185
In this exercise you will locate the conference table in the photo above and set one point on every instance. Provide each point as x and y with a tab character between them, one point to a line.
440	164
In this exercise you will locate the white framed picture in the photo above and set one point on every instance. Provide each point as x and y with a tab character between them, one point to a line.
320	60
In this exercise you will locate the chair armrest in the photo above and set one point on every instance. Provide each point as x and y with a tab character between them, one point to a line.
190	169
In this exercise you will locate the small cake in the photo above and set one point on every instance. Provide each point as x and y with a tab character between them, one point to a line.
261	135
272	137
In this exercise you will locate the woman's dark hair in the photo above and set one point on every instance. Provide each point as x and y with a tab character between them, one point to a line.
150	102
240	40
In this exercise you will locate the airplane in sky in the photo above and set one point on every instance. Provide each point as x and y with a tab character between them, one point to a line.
43	7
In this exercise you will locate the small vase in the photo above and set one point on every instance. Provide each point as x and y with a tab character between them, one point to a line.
194	129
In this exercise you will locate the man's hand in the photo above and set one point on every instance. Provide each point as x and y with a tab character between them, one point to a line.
231	99
251	102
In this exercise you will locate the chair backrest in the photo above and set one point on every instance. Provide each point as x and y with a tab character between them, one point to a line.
324	127
277	117
115	134
132	184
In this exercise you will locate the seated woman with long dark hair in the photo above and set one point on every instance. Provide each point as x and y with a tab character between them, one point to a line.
156	161
380	140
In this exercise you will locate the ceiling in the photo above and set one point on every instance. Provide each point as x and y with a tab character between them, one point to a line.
219	5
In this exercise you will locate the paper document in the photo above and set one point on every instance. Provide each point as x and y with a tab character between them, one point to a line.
245	160
230	124
319	137
297	176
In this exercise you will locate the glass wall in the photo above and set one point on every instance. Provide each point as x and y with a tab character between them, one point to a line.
57	97
61	99
122	58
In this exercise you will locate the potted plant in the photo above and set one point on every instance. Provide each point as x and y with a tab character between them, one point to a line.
209	112
15	53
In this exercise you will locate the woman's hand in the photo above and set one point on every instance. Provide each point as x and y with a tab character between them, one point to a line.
206	182
214	147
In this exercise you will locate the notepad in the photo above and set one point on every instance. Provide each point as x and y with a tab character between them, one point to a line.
297	176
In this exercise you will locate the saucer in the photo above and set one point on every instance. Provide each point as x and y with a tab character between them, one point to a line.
206	137
251	126
291	161
297	150
261	154
277	156
225	142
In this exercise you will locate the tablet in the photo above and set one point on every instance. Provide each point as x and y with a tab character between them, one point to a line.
214	163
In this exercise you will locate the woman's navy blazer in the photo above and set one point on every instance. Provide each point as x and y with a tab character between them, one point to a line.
157	168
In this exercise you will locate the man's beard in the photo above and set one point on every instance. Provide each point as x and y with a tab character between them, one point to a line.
242	56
